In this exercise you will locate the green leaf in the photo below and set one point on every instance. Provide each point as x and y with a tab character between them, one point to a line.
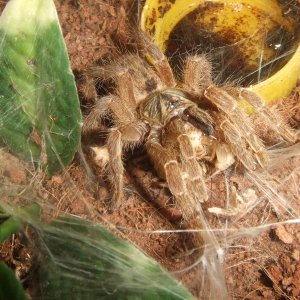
40	118
10	287
9	227
81	260
14	223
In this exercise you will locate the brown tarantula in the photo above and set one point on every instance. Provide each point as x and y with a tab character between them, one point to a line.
189	129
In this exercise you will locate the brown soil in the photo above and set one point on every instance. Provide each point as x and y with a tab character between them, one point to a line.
260	263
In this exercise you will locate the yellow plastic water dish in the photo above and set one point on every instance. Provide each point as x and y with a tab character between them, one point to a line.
259	31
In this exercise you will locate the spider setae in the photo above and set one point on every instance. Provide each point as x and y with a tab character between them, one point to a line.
190	129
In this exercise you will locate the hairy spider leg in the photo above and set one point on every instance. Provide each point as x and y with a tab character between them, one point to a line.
176	147
195	182
128	132
175	161
197	73
234	137
177	136
271	118
99	111
240	120
116	168
125	91
157	59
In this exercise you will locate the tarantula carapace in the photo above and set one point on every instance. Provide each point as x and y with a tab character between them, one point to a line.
190	129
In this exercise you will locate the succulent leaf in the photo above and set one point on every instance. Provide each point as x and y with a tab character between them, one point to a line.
39	107
82	260
10	287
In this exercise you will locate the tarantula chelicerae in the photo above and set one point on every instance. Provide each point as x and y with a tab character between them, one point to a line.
189	129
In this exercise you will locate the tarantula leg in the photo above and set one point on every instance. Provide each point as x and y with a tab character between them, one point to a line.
178	148
157	59
100	110
123	113
124	110
238	118
221	99
119	138
158	155
197	74
186	203
239	147
162	159
125	90
177	186
272	119
116	169
195	177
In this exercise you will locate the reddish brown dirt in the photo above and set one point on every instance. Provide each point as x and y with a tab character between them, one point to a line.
260	265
